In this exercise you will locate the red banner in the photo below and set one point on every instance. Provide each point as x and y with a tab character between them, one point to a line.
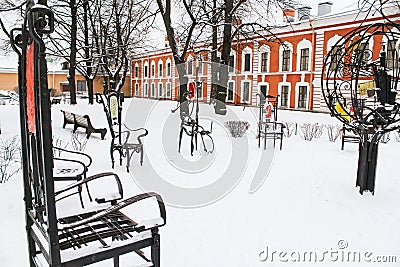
30	90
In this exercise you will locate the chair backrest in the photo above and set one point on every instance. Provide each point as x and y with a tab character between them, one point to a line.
36	133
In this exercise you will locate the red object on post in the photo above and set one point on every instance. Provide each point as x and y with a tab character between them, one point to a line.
268	111
30	87
192	89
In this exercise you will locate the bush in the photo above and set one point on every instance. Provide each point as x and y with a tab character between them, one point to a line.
10	158
333	132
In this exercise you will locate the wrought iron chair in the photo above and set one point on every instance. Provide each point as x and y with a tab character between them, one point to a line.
268	126
84	237
121	135
71	165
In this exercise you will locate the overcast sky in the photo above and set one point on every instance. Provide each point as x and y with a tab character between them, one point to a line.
338	5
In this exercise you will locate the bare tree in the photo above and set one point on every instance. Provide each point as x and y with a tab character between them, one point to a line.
9	158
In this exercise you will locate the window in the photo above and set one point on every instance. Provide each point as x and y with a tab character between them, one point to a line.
247	58
190	67
246	92
230	90
160	70
160	90
264	62
200	90
136	71
285	96
153	90
169	69
335	57
286	60
304	58
81	86
146	71
153	70
200	65
168	89
146	89
231	63
136	89
302	102
392	58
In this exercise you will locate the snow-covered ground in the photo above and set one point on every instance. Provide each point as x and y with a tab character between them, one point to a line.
308	203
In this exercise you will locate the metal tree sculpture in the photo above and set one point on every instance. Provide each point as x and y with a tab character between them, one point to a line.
360	89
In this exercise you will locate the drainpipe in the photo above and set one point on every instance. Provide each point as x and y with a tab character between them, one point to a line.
311	93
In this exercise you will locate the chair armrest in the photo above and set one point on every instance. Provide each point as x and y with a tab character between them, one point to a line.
139	137
76	153
91	178
122	204
84	169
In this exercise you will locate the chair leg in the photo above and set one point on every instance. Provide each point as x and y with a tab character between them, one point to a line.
141	156
155	248
116	261
180	140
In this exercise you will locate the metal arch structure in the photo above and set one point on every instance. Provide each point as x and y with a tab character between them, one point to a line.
360	88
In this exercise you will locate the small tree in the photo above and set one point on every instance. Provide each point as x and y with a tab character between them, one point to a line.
10	158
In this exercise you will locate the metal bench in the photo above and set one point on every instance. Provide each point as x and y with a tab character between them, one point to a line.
68	118
84	122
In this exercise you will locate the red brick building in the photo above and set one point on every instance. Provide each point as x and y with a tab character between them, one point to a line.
290	67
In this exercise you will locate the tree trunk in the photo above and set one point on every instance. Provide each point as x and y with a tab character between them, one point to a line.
220	107
72	58
89	79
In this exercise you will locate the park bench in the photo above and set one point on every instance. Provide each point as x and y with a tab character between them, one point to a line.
83	122
56	100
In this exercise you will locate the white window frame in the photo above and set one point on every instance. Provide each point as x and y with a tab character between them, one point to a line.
202	90
136	89
259	88
296	104
168	61
168	93
138	72
242	91
280	85
160	69
303	44
153	67
264	49
247	50
233	53
285	46
152	89
146	64
146	89
227	90
160	93
190	59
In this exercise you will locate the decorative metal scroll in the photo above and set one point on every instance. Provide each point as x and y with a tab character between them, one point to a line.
361	77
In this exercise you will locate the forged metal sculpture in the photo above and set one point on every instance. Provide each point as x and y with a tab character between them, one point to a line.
121	135
268	126
360	89
85	236
191	126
